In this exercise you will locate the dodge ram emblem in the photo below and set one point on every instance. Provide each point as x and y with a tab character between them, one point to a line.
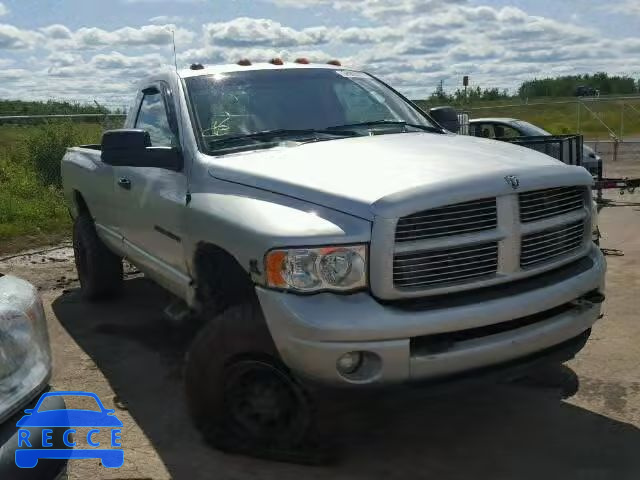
513	181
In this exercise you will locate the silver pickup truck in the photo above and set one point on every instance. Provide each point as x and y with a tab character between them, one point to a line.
331	233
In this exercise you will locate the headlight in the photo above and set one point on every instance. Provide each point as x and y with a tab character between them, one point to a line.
25	358
338	268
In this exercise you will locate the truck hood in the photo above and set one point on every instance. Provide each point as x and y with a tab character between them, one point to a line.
380	175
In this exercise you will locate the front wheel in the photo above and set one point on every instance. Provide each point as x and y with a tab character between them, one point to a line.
240	395
265	404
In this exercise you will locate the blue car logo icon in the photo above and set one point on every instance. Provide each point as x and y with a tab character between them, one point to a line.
67	420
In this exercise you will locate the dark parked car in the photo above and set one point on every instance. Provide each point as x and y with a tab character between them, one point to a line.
584	91
501	128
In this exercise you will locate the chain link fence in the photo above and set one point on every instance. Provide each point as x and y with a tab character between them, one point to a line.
31	147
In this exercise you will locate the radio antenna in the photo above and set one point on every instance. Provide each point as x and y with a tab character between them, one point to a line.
175	56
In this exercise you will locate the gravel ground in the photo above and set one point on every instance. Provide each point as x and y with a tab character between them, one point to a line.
131	355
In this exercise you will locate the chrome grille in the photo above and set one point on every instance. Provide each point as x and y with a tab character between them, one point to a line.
541	204
456	219
440	267
548	245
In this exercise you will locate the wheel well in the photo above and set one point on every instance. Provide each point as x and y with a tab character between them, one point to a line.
81	204
220	280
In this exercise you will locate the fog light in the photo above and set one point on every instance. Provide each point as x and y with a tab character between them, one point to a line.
350	362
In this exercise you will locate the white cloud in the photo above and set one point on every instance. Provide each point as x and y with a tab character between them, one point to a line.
376	9
627	7
3	9
412	44
13	38
386	9
117	60
63	59
57	32
60	37
244	31
164	19
215	55
301	3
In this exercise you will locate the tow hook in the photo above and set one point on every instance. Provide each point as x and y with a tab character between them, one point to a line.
589	299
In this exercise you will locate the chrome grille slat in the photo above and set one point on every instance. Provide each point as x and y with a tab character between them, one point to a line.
447	220
443	213
440	274
534	247
425	269
534	214
401	268
471	249
458	219
552	192
541	204
446	280
534	262
554	204
548	245
546	233
547	256
402	238
534	196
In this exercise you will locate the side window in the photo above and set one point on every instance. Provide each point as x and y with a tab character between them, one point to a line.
152	118
359	105
505	131
484	130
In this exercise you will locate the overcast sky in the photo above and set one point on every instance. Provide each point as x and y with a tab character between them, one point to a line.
86	49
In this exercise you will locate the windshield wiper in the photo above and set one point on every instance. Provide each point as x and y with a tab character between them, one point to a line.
271	135
399	123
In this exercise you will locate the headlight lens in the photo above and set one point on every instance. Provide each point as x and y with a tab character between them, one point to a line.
339	268
25	358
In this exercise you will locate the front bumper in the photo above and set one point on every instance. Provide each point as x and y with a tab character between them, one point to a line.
45	469
313	332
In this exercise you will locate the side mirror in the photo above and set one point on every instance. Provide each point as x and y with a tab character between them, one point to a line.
132	148
447	117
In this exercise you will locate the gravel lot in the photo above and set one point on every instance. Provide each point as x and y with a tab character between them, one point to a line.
131	356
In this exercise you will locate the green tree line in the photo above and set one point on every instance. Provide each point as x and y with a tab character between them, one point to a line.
566	86
50	107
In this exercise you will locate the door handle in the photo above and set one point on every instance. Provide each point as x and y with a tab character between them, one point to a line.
124	183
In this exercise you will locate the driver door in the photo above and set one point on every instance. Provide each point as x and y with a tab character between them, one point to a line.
152	200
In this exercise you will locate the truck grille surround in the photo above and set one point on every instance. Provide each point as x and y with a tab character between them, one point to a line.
487	241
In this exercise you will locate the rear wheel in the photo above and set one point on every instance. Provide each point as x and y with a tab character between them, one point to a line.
99	270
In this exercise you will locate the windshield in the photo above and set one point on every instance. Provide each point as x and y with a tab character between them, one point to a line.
530	130
298	102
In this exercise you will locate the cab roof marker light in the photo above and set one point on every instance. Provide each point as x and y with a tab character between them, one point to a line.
335	63
276	61
245	62
302	61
